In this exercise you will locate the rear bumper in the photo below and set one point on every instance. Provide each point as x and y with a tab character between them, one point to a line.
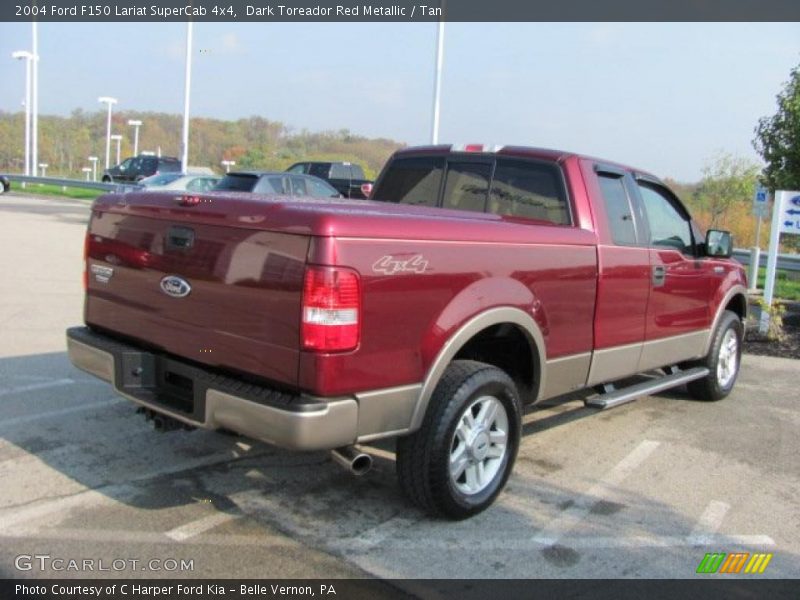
202	398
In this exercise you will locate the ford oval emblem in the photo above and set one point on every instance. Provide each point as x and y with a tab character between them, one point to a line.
175	286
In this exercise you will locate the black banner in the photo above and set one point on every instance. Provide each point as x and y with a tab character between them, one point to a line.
398	10
400	589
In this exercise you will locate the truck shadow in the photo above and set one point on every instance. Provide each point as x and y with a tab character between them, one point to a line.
62	433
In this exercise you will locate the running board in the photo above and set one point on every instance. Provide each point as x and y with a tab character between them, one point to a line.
646	388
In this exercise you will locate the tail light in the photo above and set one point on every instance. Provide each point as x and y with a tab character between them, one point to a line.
189	200
331	309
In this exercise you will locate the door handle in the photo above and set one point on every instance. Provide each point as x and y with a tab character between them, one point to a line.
659	275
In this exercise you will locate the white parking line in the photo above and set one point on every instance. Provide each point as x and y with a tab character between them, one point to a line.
36	386
16	421
583	542
184	532
126	537
708	523
583	506
104	495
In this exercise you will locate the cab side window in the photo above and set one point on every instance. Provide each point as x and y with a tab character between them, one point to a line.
669	225
618	209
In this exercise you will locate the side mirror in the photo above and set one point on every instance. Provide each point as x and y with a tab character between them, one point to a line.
719	243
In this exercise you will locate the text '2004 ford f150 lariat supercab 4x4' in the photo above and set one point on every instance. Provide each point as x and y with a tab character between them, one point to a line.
480	281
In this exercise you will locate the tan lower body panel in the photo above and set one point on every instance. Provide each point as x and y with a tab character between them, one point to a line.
610	364
566	374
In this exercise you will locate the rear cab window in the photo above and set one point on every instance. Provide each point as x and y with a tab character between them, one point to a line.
507	186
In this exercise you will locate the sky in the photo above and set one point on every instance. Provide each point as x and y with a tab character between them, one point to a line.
663	97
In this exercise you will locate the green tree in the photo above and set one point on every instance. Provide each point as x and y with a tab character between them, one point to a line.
778	138
727	180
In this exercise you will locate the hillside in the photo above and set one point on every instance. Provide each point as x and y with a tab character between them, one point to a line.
255	142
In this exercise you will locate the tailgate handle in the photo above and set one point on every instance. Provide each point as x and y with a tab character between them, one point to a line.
180	238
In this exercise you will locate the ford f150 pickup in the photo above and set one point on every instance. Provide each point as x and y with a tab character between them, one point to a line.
480	281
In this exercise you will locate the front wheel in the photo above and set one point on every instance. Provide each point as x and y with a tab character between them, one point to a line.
722	361
457	463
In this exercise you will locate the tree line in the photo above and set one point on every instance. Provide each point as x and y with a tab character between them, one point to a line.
721	199
65	143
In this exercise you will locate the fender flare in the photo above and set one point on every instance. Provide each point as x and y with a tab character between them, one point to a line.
736	290
492	316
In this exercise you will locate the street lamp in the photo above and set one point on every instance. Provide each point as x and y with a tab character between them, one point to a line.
437	84
35	98
228	164
187	86
110	102
43	167
87	170
28	57
117	138
136	124
93	160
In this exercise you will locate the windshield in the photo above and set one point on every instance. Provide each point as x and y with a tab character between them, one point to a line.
160	179
237	182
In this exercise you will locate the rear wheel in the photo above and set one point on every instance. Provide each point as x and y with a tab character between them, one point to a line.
457	463
722	361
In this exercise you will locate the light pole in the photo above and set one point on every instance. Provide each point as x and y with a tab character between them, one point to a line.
117	138
228	164
186	92
93	160
110	102
28	57
437	86
136	124
87	170
43	167
35	100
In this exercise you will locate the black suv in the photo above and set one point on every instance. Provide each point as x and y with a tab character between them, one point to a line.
131	170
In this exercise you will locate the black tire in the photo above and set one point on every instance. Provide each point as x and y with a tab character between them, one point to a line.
423	458
720	381
106	179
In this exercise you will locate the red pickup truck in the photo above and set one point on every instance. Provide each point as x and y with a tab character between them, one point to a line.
480	280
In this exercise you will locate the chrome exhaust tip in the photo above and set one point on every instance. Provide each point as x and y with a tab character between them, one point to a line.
352	459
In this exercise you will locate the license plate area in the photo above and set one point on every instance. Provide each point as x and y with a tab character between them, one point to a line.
163	382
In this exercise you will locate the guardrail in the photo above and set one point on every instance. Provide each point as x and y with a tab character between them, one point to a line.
787	262
114	188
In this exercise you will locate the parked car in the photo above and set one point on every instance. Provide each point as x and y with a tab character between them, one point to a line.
136	168
479	282
5	184
348	178
191	182
276	182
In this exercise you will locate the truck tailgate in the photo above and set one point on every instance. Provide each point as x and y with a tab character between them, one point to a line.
196	283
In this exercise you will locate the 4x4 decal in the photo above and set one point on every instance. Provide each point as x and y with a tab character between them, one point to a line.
389	265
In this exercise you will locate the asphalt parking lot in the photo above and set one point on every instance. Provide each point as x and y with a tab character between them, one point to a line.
643	490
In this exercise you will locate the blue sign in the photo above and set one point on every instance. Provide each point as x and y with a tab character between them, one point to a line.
790	213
